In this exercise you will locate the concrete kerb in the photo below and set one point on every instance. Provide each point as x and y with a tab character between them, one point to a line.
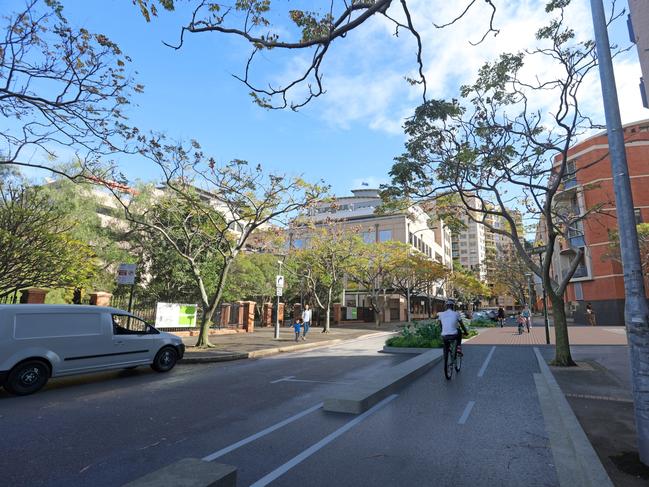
575	459
190	472
226	357
363	394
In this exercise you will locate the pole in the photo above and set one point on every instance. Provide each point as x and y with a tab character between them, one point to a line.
545	305
408	304
130	298
276	336
636	312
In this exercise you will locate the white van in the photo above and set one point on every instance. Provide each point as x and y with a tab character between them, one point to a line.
39	341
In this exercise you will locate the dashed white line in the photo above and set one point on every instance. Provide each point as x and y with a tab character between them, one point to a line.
486	362
281	470
270	429
467	411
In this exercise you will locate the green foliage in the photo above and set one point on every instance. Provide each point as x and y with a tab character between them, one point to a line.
422	334
39	248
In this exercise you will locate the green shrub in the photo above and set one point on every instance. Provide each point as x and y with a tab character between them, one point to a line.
483	323
423	334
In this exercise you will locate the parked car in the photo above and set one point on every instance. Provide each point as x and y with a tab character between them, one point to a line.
39	341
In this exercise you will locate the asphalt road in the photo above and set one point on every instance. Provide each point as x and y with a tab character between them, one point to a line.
107	429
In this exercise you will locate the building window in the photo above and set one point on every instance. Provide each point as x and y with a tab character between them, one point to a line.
638	216
298	243
385	235
369	237
579	293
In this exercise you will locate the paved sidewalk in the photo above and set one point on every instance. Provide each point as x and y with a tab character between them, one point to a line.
262	342
599	393
579	335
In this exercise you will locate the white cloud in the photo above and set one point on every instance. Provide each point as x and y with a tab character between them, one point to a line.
364	73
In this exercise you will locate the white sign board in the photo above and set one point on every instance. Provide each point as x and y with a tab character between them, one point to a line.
279	291
126	274
279	282
175	315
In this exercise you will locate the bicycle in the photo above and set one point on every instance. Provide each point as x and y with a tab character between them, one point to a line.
520	327
455	362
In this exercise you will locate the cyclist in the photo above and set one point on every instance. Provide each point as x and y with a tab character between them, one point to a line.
501	316
450	320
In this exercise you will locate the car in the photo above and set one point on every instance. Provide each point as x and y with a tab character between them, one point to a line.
39	341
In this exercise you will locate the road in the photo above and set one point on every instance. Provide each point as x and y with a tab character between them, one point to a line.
483	428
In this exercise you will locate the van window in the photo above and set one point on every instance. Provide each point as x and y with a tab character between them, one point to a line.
128	325
53	325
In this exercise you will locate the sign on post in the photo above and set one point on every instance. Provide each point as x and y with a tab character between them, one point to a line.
126	274
540	249
175	315
279	291
279	282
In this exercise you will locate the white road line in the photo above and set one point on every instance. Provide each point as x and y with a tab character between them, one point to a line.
282	379
270	429
290	379
486	362
467	411
281	470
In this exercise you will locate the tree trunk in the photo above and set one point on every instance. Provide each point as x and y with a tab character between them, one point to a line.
204	335
327	313
562	356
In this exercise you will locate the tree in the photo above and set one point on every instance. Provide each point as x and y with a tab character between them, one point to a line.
63	89
83	203
324	264
312	31
465	286
413	273
373	268
495	151
508	274
212	210
38	248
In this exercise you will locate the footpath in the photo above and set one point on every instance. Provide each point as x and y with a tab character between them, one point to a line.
598	391
261	342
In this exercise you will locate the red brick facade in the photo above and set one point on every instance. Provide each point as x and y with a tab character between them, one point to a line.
602	283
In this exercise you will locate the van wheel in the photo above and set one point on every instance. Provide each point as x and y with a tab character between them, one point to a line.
27	378
165	359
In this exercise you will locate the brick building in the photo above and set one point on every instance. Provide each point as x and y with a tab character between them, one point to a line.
588	184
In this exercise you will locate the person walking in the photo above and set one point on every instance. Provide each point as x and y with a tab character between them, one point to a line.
501	316
590	315
306	321
296	328
527	316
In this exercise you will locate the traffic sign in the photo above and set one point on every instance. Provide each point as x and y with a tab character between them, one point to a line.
539	249
126	274
279	282
279	291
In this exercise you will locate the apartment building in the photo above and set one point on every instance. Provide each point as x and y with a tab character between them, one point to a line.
470	243
638	22
588	186
412	226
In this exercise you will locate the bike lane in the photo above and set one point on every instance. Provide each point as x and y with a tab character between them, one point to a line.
485	427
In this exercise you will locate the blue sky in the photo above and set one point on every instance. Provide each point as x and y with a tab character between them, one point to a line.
349	135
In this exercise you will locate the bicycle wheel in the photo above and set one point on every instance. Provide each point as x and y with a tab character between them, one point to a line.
458	362
449	352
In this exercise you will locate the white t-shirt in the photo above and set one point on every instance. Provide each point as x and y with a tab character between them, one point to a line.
306	316
450	321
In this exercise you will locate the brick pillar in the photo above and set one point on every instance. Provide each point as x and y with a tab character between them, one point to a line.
280	312
225	314
297	311
337	313
249	316
100	298
242	306
267	315
33	295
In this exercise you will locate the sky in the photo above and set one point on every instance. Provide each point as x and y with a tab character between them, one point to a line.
351	134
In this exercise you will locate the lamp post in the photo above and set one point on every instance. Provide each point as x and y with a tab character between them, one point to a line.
636	312
279	293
